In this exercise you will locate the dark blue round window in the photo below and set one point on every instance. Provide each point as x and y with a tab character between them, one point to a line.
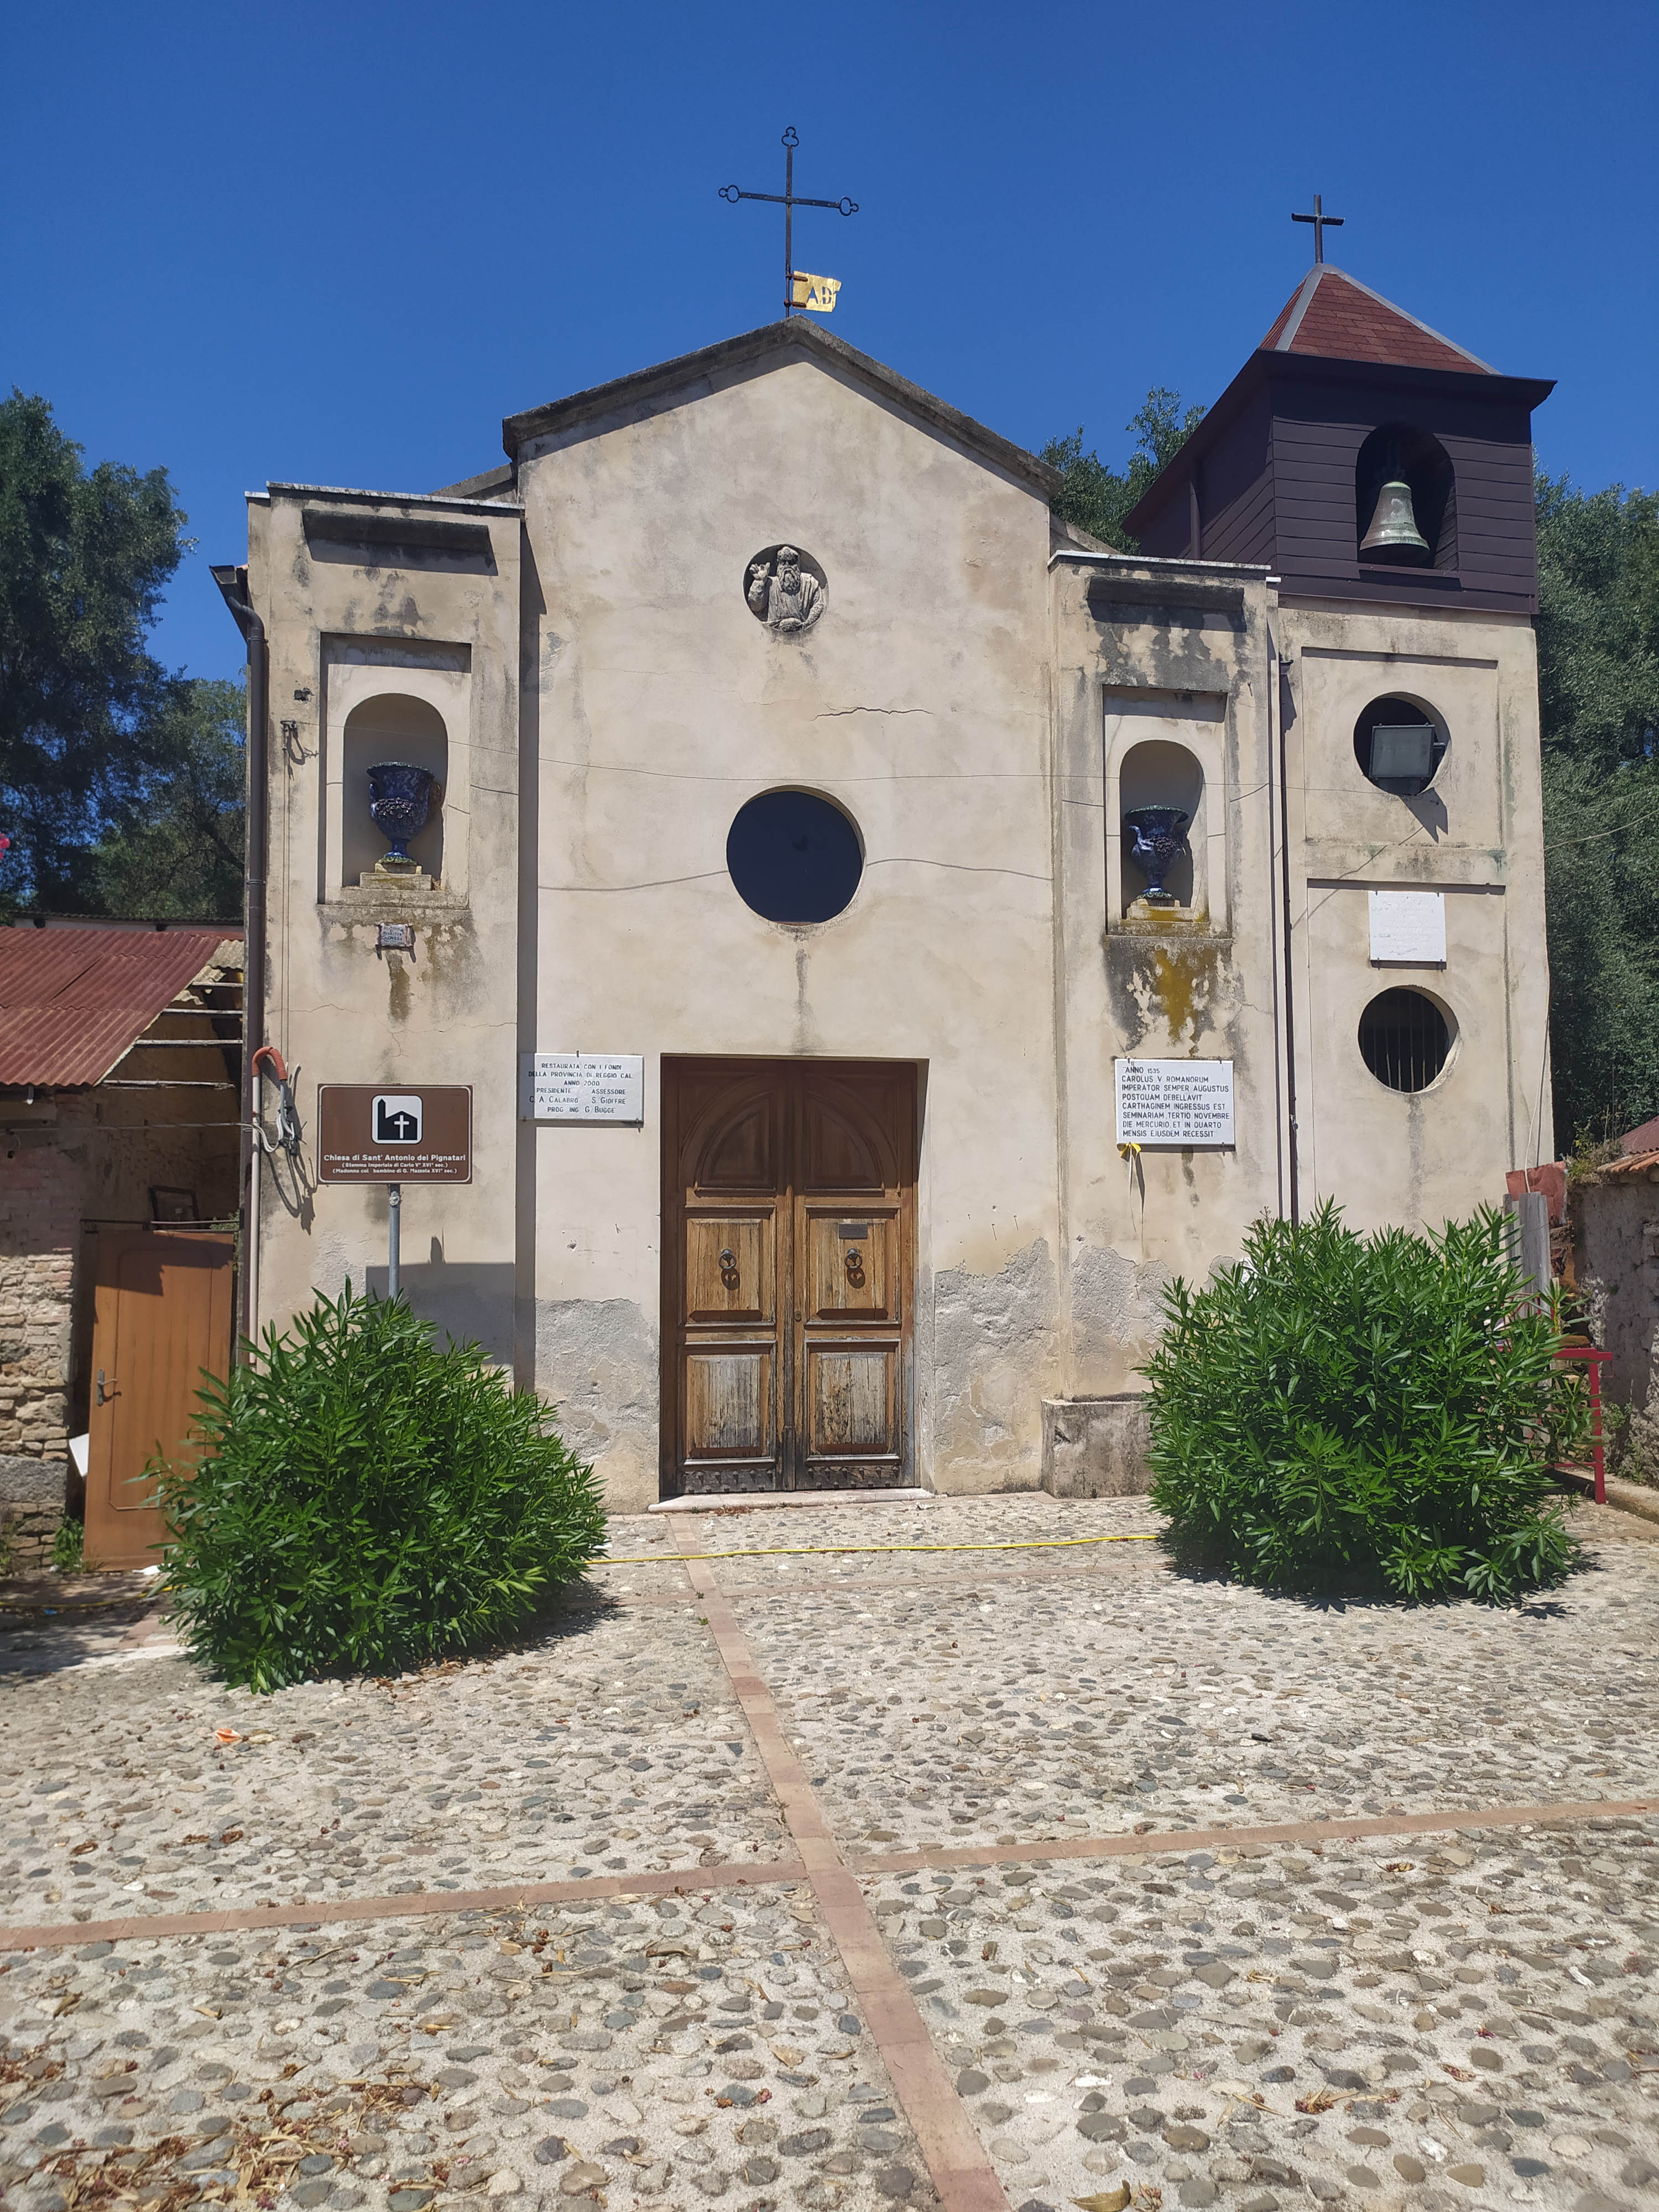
794	856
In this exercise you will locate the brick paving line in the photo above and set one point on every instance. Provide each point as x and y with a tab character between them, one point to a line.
962	2177
420	1903
1158	1843
1168	1843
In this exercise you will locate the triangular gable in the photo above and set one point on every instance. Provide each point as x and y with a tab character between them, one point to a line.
775	345
1331	314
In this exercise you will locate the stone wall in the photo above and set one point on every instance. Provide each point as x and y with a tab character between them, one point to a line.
1615	1233
31	1510
39	1203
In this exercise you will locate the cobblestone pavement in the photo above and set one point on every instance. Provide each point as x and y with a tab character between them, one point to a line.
613	1743
1416	2020
1006	1714
1424	2021
665	2052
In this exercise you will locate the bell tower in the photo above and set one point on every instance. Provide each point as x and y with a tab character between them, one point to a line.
1361	455
1377	478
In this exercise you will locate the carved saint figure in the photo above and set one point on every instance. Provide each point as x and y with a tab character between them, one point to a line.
789	598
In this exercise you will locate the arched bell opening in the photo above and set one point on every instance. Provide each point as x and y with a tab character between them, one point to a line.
1405	499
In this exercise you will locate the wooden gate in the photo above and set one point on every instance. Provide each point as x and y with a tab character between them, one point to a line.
162	1313
788	1250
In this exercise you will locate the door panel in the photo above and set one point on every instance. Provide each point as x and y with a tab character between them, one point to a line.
851	1265
730	1406
850	1398
788	1235
729	1271
161	1313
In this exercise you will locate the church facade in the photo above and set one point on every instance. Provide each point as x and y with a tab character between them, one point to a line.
886	935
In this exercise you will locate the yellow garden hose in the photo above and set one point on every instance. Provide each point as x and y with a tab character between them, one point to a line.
798	1551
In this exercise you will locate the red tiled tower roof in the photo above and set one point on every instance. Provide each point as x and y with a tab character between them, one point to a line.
1331	314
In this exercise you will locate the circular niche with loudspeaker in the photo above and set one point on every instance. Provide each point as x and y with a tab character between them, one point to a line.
794	857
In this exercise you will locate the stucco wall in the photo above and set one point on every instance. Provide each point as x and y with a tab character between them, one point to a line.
1193	982
348	630
1476	834
920	704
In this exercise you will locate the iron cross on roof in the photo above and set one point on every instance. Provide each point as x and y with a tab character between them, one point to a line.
1322	222
789	201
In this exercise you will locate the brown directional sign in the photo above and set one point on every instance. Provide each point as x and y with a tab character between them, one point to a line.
394	1132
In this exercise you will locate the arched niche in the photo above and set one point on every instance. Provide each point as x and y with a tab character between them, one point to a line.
1399	449
391	725
1158	771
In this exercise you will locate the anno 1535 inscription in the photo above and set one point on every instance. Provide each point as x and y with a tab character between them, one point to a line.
1175	1101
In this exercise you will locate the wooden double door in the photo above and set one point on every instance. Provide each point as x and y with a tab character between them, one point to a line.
788	1251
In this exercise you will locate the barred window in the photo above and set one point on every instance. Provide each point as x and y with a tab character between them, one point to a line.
1404	1039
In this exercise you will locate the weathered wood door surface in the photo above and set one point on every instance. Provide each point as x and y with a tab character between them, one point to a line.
789	1204
161	1313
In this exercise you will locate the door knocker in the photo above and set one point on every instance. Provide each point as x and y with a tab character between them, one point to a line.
728	1268
854	1266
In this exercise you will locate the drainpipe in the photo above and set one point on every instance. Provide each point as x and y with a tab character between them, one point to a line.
1278	701
232	585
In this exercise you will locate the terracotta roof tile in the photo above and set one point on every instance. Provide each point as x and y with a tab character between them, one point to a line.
1332	315
72	1000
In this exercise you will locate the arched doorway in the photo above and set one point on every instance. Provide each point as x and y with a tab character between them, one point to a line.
788	1243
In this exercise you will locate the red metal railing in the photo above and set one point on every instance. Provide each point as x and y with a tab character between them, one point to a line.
1595	1360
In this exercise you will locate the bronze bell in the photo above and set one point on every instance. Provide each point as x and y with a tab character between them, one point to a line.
1393	534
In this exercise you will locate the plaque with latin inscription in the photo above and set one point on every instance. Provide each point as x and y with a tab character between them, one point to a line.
1175	1101
580	1087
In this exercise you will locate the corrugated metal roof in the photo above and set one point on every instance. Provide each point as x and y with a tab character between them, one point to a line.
72	1000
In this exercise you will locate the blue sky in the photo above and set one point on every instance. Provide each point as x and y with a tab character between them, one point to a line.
337	244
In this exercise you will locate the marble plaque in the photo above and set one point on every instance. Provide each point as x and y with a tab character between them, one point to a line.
1409	926
1175	1101
581	1086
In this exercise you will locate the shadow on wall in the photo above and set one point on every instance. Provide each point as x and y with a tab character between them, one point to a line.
468	1299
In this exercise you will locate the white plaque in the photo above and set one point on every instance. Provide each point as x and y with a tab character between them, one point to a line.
1175	1101
1409	926
581	1086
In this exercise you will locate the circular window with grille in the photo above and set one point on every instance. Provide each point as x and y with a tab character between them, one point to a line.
1404	1039
794	857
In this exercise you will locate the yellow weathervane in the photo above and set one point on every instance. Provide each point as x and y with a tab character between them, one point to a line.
815	293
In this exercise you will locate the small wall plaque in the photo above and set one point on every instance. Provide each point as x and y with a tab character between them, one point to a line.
582	1087
1408	927
396	937
1175	1101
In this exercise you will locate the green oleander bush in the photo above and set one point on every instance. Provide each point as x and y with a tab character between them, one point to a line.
360	1501
1341	1413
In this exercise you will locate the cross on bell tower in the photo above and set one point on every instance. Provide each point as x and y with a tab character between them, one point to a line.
1322	222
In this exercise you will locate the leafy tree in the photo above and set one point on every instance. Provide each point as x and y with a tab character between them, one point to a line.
85	710
1598	675
175	850
1096	498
